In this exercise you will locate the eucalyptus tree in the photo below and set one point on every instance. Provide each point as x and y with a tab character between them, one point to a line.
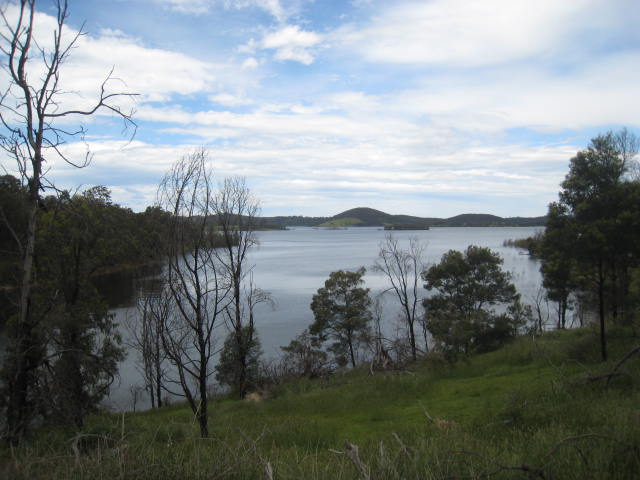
146	331
35	119
403	268
199	287
591	241
462	313
341	313
236	213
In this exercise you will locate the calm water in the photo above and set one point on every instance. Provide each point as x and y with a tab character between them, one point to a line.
293	264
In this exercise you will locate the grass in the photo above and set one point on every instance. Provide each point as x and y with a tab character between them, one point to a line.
341	222
525	404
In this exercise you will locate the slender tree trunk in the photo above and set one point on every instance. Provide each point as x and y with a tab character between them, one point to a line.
203	415
412	336
603	338
353	357
158	368
24	354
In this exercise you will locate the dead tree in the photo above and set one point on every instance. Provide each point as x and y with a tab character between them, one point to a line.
540	304
146	331
236	215
402	269
198	285
34	127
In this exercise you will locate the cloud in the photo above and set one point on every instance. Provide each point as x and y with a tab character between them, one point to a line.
291	43
471	34
154	74
198	7
599	93
250	63
231	99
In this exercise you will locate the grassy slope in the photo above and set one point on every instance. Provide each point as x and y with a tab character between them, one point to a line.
509	407
342	222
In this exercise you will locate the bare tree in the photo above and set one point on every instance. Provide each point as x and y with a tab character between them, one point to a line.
34	126
402	269
540	304
628	144
198	285
146	331
236	214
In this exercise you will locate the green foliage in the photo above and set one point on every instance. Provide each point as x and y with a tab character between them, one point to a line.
305	357
592	240
13	218
461	315
341	222
341	312
235	351
531	244
74	346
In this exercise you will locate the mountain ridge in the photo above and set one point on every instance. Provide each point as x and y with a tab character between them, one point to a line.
370	217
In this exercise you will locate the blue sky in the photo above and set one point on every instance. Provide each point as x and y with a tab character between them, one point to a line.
430	108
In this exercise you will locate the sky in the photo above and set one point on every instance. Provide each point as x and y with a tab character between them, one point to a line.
431	108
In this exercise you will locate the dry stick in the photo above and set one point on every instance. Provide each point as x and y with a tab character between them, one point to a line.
268	470
528	469
576	437
501	468
351	451
405	449
426	414
614	372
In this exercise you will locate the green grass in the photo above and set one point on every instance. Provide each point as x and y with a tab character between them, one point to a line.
341	222
525	404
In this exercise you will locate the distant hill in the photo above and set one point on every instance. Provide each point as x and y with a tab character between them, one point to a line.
370	217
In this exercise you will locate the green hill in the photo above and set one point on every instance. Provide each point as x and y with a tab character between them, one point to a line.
537	408
369	217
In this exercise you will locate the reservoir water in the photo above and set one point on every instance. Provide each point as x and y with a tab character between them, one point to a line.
293	264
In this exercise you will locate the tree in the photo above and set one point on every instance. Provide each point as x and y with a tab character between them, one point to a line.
34	125
76	346
558	263
199	287
461	315
592	238
402	269
341	312
146	332
236	212
240	362
305	357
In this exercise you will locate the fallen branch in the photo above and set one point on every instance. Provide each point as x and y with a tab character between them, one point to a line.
614	373
539	472
351	451
405	449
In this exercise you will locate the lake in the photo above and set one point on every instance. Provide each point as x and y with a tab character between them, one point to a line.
293	264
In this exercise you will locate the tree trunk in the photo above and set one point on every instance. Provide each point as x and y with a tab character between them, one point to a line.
603	338
25	345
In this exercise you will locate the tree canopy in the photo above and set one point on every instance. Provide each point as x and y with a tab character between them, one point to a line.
341	312
592	241
462	314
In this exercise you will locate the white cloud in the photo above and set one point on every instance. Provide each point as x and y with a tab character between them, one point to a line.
196	7
291	43
231	99
463	33
250	63
601	93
